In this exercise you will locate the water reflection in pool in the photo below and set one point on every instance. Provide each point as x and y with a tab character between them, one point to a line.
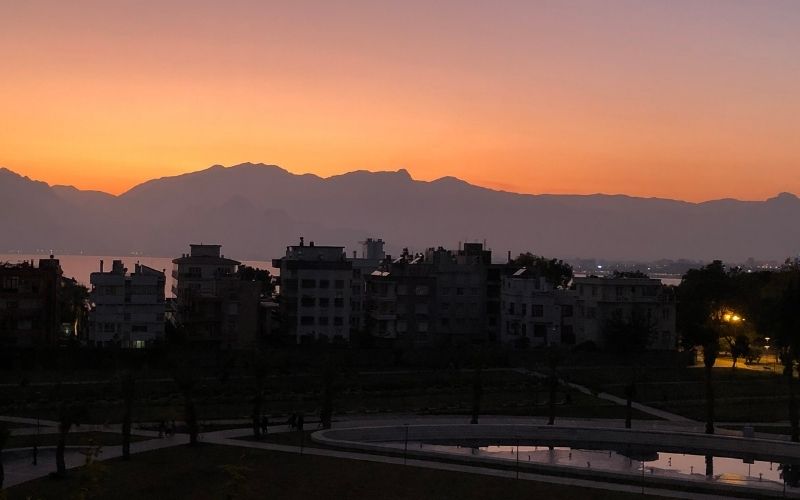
727	470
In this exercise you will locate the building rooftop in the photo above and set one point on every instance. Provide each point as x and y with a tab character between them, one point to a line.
205	260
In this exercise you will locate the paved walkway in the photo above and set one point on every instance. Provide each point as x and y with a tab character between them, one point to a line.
228	438
20	469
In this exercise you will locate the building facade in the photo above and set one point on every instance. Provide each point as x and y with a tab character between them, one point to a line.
600	299
213	305
535	313
127	309
439	296
315	290
31	304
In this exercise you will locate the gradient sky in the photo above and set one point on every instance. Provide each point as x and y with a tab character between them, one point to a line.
684	99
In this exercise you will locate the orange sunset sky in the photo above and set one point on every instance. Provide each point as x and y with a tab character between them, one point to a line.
683	99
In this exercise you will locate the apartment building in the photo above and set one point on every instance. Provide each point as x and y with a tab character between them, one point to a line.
127	309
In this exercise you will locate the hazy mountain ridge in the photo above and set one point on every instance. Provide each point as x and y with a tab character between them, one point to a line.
255	210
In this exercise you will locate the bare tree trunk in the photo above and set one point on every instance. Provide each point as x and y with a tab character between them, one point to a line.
551	420
629	404
4	433
326	413
709	465
477	394
788	371
192	426
258	407
128	395
61	467
709	370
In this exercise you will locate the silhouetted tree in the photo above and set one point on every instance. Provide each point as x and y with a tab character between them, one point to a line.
128	390
790	473
184	377
334	366
247	273
703	296
628	337
556	272
554	359
69	414
477	393
260	368
74	305
782	298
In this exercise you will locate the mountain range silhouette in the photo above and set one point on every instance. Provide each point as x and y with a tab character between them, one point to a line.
255	210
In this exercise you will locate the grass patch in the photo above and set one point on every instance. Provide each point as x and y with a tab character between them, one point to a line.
505	392
741	395
73	439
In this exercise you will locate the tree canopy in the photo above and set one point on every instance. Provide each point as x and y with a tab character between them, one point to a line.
555	271
263	276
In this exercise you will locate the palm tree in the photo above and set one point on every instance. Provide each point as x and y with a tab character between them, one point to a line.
628	337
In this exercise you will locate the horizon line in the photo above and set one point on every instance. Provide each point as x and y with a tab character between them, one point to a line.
400	170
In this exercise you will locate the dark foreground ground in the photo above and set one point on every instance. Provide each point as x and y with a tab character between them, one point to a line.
221	472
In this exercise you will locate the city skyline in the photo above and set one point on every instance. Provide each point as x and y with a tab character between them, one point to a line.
691	102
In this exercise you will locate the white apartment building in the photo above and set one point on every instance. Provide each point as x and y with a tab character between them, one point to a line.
127	309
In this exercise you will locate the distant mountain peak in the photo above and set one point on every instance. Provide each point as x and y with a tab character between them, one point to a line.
449	179
785	196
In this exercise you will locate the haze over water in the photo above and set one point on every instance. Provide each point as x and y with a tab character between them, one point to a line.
80	267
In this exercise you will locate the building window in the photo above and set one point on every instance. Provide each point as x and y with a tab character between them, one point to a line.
307	301
324	283
307	320
324	302
338	284
421	290
323	320
539	330
338	321
537	310
308	284
338	302
566	311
